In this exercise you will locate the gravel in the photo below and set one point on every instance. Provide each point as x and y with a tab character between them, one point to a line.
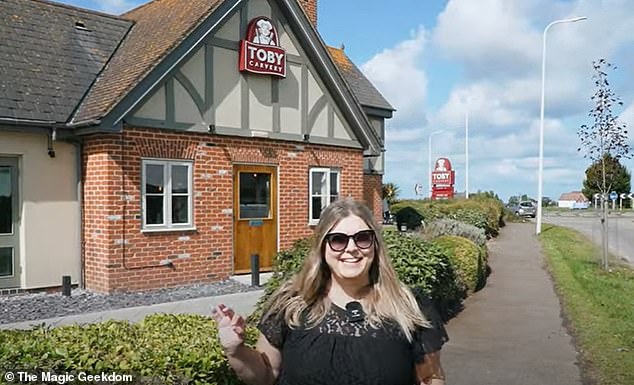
36	306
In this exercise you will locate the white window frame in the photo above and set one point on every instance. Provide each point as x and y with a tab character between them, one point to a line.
328	172
167	224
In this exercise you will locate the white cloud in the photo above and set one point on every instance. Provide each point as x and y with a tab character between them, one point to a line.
398	75
627	116
487	36
497	47
405	135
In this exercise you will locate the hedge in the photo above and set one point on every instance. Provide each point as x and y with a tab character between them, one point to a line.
468	259
160	349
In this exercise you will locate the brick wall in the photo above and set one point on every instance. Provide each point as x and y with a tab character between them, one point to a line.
119	257
310	7
372	191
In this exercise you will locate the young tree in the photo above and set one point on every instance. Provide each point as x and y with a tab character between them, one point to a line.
617	177
605	137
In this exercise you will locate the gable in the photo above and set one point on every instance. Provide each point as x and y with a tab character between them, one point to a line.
208	93
160	28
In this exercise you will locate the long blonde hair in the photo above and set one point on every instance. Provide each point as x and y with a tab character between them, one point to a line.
305	294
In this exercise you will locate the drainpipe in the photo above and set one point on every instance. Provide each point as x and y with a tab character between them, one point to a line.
80	200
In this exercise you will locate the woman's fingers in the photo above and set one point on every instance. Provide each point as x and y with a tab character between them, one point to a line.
229	321
240	332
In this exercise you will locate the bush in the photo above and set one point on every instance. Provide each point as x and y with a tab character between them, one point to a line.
447	226
423	266
483	212
161	349
467	259
417	262
408	216
473	216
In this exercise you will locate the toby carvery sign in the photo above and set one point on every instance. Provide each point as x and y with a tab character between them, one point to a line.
443	179
260	52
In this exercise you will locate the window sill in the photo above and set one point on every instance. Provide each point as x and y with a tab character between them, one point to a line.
168	229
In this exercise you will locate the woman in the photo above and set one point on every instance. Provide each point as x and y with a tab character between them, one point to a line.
343	319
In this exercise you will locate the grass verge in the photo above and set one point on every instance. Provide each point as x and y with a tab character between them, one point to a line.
598	304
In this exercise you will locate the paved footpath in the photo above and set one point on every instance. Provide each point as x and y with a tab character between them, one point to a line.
512	332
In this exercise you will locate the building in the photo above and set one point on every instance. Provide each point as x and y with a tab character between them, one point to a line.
573	200
167	145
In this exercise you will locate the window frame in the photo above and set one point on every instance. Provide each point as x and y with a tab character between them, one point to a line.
168	224
328	171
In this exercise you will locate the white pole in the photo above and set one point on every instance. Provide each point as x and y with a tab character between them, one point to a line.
466	152
540	172
429	159
429	164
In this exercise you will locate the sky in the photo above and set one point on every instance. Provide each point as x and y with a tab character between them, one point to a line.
439	61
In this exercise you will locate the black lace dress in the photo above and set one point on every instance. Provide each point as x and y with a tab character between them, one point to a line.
338	351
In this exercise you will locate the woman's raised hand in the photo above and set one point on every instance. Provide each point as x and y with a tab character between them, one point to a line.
231	328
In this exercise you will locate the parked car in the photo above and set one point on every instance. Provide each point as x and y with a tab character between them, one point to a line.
525	209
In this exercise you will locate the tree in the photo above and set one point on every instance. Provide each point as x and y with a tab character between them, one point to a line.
617	177
390	192
605	138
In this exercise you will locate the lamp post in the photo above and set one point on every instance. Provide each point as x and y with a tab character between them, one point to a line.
540	172
466	152
429	160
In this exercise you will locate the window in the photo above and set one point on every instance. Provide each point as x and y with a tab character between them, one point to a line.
324	188
255	195
167	194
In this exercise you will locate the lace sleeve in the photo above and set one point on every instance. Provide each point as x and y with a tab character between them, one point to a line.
274	329
430	339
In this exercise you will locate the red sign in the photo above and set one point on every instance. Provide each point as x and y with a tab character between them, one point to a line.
443	179
442	193
260	52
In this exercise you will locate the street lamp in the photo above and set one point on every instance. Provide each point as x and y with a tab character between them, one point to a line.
429	160
540	172
466	152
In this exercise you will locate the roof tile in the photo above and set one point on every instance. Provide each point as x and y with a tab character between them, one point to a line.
159	27
361	87
42	52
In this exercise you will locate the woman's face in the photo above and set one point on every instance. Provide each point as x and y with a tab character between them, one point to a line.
350	258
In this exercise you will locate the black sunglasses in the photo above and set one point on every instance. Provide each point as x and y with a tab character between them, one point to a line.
364	239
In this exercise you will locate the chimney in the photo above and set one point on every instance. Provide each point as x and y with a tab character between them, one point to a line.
310	8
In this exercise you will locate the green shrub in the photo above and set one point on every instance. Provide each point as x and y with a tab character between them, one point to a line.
417	262
408	216
467	259
161	349
472	216
483	212
448	226
429	210
423	266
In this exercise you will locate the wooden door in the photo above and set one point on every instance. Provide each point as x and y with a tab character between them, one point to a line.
255	216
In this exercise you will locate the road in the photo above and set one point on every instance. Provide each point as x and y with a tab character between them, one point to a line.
620	230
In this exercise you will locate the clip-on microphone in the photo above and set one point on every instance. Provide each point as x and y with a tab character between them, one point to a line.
354	311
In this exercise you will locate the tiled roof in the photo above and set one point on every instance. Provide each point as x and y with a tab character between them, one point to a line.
361	87
576	196
159	27
49	56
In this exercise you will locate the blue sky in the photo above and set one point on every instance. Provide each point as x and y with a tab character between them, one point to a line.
434	59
